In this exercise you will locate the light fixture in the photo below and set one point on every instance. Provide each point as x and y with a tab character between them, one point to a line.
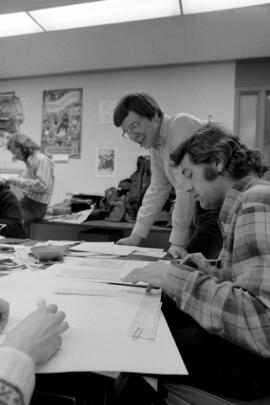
202	6
17	24
103	12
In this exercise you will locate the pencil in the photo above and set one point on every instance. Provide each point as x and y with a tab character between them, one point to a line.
130	285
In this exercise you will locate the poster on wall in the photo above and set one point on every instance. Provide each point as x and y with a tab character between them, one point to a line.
61	122
106	108
11	118
105	162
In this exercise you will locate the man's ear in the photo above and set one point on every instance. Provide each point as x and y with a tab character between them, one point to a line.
219	167
219	164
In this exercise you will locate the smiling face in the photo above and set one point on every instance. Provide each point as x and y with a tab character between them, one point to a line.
141	130
209	193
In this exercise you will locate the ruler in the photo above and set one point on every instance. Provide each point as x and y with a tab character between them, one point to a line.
145	322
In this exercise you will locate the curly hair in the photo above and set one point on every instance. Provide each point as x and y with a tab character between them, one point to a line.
24	142
140	103
213	143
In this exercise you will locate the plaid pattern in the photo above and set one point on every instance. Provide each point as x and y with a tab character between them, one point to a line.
234	301
173	131
37	180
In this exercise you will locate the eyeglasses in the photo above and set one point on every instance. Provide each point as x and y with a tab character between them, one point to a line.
131	129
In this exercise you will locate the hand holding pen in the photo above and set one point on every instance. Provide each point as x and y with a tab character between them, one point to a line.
197	261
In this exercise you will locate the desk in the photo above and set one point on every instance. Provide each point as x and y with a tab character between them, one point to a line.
98	338
96	231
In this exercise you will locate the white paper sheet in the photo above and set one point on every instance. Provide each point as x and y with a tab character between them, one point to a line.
104	247
97	339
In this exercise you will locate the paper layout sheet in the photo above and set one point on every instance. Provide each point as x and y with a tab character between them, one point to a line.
88	269
104	247
97	339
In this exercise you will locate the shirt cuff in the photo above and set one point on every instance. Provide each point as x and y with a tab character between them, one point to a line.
176	281
179	237
140	230
18	370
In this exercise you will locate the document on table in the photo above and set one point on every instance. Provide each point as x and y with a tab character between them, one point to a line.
144	251
97	339
88	269
104	247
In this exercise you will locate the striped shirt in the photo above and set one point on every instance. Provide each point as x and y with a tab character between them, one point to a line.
234	301
37	180
17	377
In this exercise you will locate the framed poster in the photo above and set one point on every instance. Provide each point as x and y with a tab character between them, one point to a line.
61	122
106	108
105	162
11	117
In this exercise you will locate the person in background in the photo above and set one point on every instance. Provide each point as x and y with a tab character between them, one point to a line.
29	345
11	222
220	315
36	181
143	122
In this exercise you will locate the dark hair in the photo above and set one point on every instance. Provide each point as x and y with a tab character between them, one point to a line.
26	144
214	143
140	103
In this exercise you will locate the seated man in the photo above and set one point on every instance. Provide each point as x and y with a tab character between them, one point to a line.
220	315
11	223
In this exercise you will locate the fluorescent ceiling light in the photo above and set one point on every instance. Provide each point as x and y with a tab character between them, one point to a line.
17	24
202	6
103	12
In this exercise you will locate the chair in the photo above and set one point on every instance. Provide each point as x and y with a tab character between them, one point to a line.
189	395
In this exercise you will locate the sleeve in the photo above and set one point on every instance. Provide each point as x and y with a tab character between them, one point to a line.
17	377
182	126
182	214
42	170
10	215
154	198
237	310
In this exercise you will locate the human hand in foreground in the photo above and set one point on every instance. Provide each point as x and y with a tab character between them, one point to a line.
154	274
39	334
198	261
177	251
4	313
132	240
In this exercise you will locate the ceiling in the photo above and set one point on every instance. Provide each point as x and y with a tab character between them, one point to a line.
219	36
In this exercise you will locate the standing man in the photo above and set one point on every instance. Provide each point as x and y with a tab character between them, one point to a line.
220	315
143	122
36	181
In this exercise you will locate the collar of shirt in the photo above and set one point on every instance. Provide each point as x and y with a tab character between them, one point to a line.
31	158
232	198
161	141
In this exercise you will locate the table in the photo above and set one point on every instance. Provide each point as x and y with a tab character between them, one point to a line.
99	230
97	339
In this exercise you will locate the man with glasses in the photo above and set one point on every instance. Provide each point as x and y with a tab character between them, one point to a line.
143	122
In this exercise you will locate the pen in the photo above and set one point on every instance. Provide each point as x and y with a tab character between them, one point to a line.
183	261
130	285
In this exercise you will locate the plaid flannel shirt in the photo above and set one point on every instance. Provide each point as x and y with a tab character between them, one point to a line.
234	301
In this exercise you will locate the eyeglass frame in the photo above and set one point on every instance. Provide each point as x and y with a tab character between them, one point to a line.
131	128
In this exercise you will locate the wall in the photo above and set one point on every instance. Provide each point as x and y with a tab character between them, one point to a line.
200	89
